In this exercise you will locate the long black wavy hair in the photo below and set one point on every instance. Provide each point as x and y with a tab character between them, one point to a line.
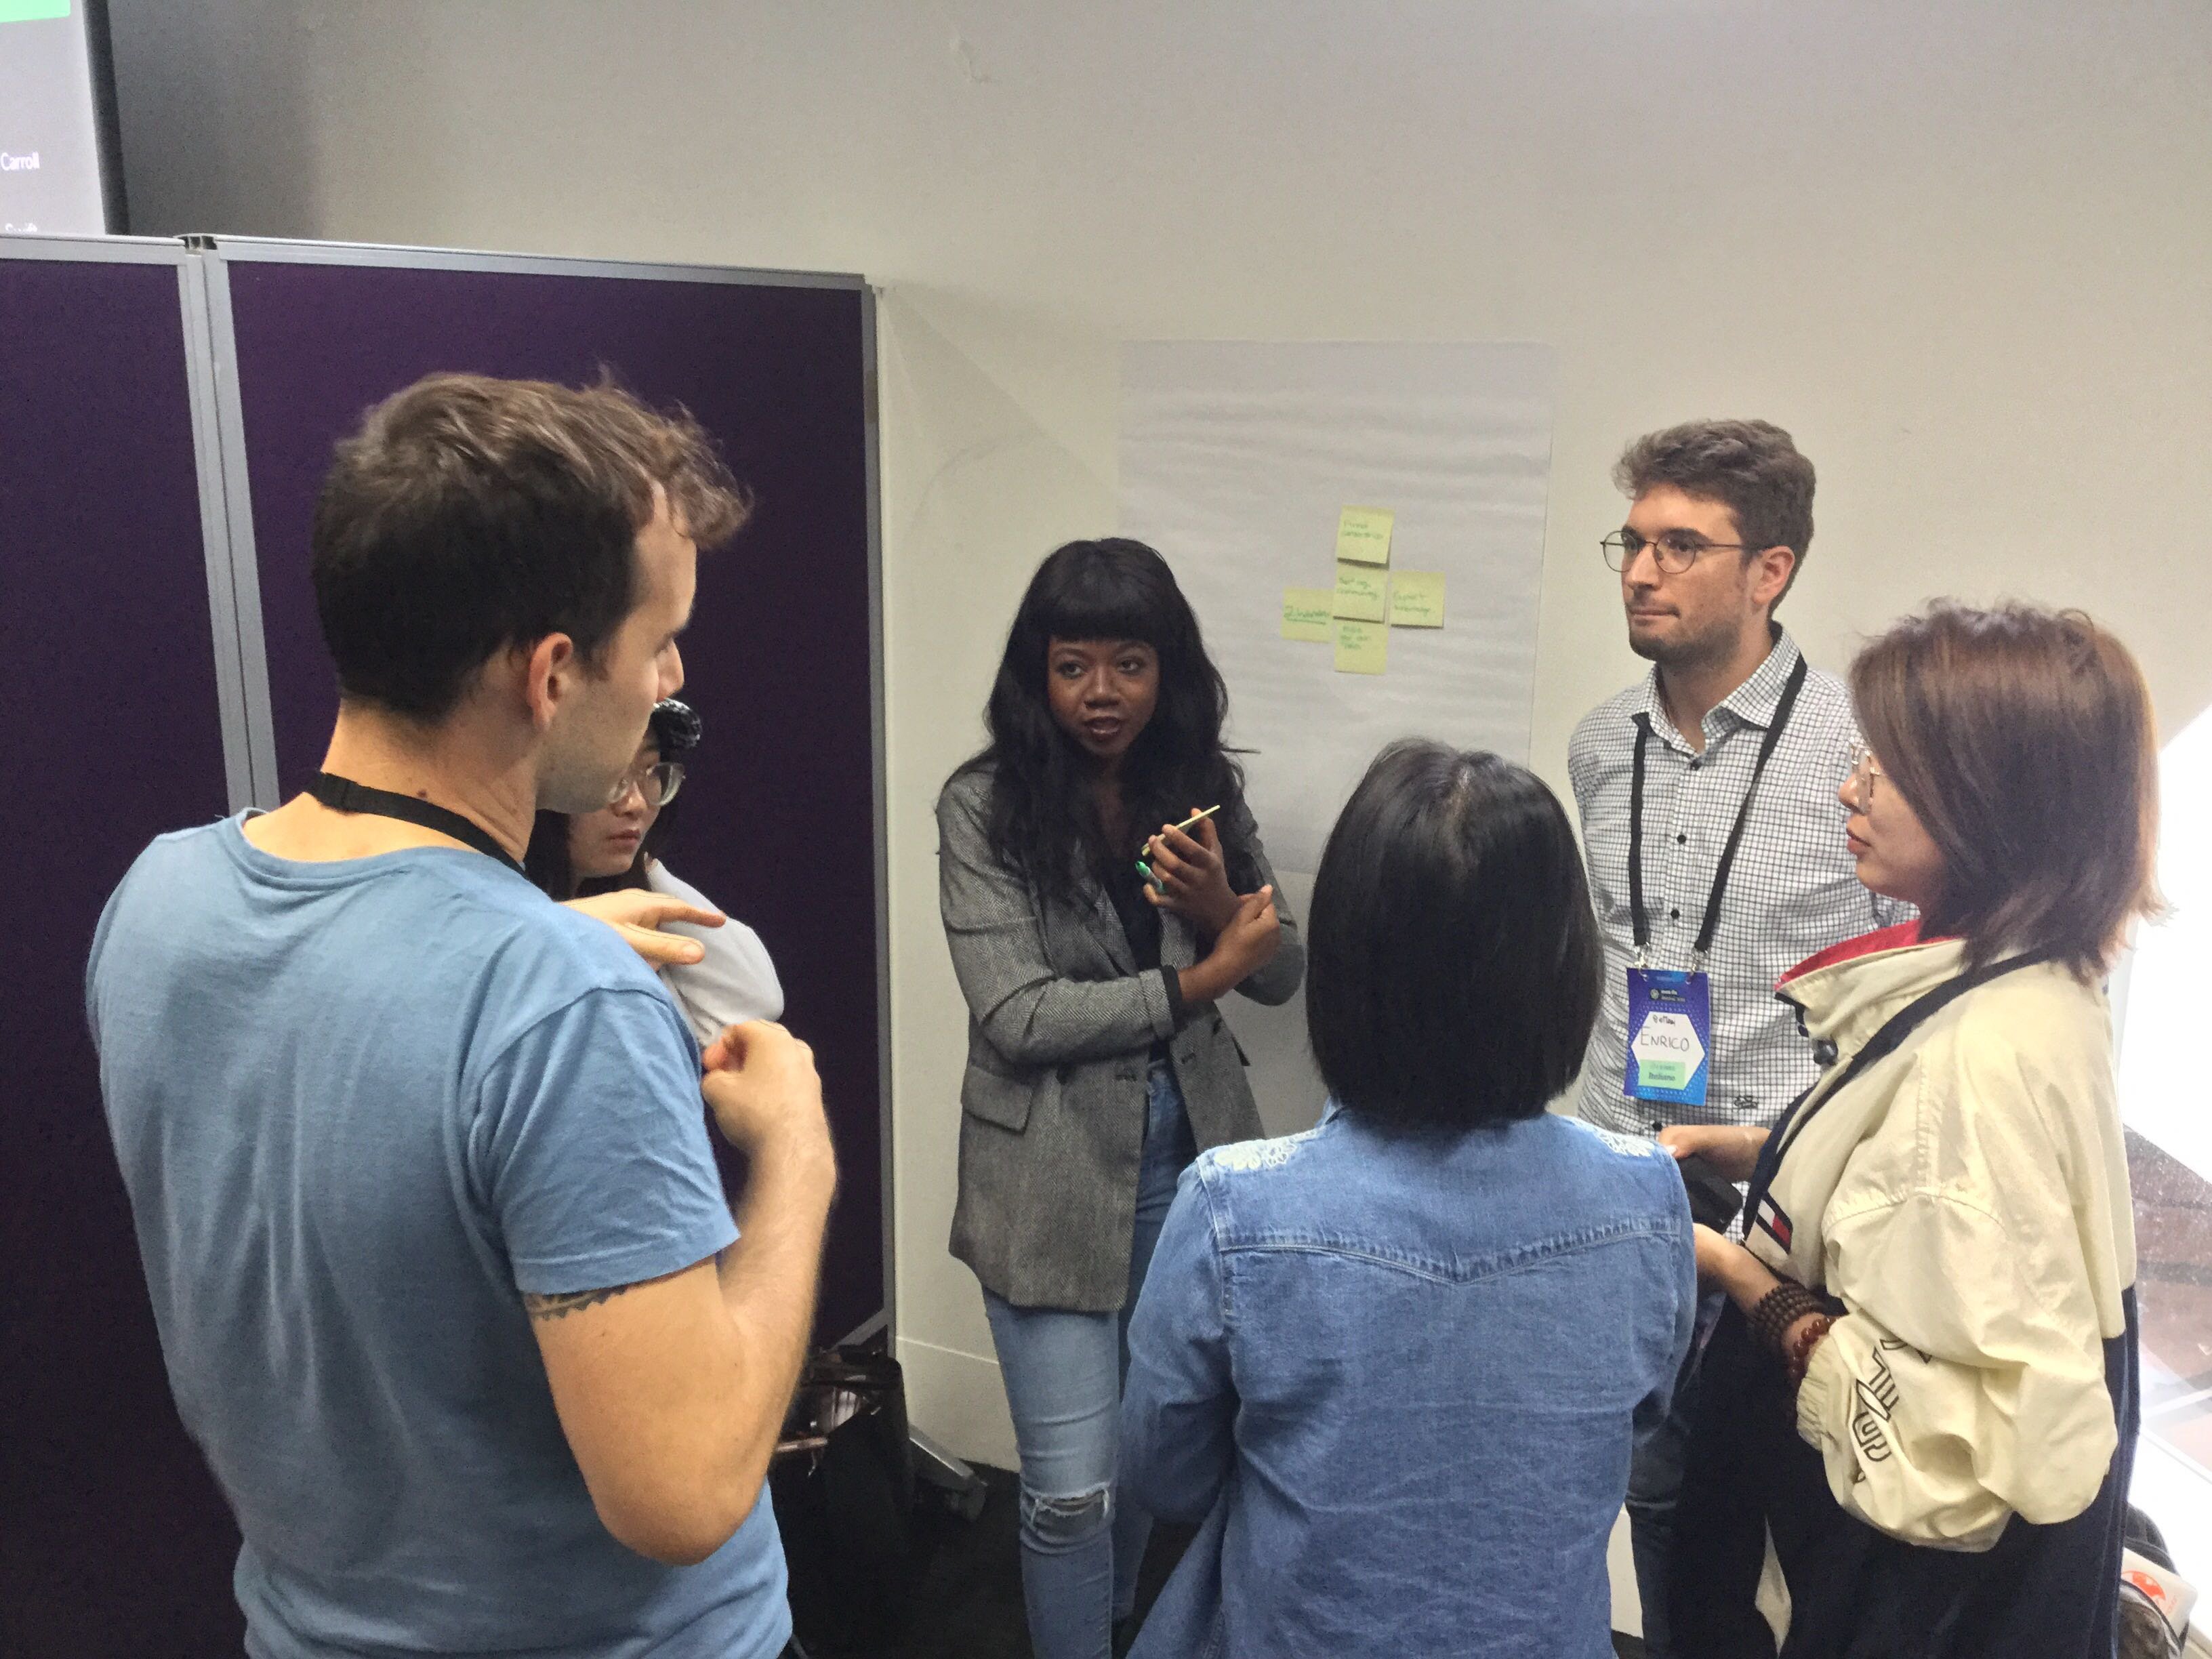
1043	820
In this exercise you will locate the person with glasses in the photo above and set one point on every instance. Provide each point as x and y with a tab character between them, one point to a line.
1712	831
1922	1398
618	848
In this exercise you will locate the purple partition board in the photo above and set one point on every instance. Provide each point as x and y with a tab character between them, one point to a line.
779	808
112	1538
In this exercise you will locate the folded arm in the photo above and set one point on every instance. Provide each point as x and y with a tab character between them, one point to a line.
1277	980
1029	1011
671	1390
1966	1382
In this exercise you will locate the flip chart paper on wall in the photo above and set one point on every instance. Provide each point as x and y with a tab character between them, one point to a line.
1363	534
1417	599
1362	647
1236	460
1306	613
1363	593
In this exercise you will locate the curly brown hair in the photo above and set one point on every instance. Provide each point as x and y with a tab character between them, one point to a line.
470	514
1752	468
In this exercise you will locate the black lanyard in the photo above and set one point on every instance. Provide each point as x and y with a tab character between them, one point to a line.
344	795
1883	1044
1643	923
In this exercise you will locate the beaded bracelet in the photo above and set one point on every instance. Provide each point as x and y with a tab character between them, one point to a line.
1781	1308
1801	1351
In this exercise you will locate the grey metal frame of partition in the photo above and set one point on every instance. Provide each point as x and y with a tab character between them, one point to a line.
239	671
873	408
234	572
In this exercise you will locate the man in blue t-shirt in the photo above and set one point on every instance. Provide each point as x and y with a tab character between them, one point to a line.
447	1285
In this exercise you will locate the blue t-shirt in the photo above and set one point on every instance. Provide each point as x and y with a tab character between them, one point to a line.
361	1107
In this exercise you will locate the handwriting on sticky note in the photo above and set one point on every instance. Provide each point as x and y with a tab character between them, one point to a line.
1417	599
1363	593
1361	647
1306	613
1363	534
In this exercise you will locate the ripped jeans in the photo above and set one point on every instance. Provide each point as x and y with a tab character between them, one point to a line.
1063	1370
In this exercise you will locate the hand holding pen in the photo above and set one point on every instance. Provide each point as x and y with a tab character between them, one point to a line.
1187	874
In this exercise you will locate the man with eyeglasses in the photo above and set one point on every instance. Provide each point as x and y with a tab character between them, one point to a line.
1714	837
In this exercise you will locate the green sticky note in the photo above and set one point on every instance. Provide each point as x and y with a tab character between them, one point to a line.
1363	534
31	11
1417	599
1361	647
1363	593
1306	612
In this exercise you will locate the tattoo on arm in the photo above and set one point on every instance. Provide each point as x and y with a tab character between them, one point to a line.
568	1302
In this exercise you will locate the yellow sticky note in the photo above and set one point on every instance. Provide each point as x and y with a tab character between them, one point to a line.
1306	612
1361	647
1417	599
1363	593
1363	534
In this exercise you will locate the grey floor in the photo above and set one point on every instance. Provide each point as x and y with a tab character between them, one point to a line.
969	1605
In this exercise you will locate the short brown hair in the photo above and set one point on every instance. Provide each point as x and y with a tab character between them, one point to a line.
2024	741
470	514
1752	468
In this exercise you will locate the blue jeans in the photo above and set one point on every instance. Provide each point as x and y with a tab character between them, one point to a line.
1080	1550
1655	1485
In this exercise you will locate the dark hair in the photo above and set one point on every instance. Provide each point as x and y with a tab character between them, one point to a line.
1452	958
1750	467
469	515
2024	742
672	729
1044	821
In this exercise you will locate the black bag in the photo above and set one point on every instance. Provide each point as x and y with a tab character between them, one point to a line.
1715	1201
843	1481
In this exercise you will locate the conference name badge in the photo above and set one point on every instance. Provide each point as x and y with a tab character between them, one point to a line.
1670	1026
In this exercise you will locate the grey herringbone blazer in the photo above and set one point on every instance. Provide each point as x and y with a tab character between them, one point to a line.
1061	1024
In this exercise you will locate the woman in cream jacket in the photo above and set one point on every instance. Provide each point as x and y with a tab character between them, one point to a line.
1924	1393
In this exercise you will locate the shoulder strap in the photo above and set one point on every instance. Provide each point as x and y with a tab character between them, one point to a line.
1879	1047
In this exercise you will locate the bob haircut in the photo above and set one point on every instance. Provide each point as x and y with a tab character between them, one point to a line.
1452	966
2024	742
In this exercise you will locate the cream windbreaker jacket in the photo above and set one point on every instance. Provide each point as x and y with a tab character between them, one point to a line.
1966	1199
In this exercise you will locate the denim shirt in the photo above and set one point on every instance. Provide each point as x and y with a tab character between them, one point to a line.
1398	1378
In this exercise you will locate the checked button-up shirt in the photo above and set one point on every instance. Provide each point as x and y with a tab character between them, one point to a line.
1794	891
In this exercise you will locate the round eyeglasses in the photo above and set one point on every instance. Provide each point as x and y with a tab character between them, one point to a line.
1675	551
656	785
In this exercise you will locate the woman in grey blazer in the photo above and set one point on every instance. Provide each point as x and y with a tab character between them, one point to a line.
1098	1065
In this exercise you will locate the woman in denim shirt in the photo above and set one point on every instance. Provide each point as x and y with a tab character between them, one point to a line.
1396	1365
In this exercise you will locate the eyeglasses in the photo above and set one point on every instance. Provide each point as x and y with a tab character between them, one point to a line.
656	785
1863	775
1675	551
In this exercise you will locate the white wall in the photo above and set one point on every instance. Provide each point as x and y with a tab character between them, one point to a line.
1963	252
